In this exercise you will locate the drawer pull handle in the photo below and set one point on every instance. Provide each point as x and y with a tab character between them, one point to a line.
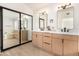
47	43
46	36
62	40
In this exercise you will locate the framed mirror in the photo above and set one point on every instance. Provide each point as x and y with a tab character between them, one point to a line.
41	24
65	19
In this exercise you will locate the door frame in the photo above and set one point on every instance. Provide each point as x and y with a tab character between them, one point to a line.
1	20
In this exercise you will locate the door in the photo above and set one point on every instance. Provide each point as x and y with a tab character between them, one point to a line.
26	28
10	28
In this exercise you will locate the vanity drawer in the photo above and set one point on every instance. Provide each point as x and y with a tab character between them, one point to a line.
47	46
46	34
57	36
47	42
47	39
34	37
34	33
39	34
70	37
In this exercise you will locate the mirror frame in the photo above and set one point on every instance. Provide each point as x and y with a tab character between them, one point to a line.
58	22
41	28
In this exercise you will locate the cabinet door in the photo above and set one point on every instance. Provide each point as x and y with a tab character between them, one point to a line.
34	39
39	40
70	47
57	47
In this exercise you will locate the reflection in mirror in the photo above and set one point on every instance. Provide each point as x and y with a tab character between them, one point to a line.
41	24
65	19
26	31
10	28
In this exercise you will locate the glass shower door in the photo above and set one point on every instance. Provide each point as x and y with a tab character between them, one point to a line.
26	27
10	28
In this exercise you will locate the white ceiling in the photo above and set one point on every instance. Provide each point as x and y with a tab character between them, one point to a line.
36	6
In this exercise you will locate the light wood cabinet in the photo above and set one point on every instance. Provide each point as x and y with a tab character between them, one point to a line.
65	45
47	42
37	39
34	38
57	47
57	44
70	46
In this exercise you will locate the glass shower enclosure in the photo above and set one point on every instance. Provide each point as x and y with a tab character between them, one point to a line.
15	28
26	28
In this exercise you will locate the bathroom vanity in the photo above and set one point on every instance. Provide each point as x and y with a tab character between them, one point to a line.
55	43
60	32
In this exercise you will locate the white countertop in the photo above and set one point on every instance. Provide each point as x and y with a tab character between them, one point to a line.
67	33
